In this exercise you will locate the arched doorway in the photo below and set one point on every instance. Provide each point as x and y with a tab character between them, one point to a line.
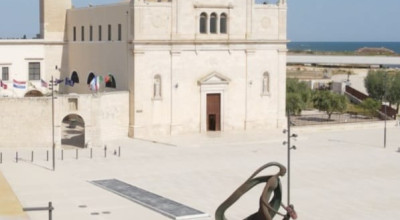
73	131
33	93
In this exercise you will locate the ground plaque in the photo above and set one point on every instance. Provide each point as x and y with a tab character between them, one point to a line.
150	200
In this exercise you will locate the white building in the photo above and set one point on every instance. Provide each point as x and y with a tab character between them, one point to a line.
189	65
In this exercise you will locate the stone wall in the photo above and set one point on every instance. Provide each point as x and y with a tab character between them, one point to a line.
27	122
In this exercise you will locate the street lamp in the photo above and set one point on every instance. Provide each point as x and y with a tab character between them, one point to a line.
384	106
289	148
52	83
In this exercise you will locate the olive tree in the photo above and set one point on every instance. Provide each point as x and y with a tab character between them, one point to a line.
298	96
393	95
294	104
384	86
376	83
329	102
370	106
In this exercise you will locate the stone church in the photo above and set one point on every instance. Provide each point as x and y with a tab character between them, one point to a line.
190	66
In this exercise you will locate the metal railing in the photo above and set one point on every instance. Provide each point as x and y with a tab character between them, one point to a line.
43	155
49	208
322	119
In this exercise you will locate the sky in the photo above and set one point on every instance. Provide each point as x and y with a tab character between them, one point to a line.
308	20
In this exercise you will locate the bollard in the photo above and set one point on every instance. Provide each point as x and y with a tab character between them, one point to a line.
1	157
119	151
47	155
91	153
105	151
76	153
62	154
32	157
16	157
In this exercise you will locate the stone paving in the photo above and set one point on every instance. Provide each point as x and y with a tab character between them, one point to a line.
342	174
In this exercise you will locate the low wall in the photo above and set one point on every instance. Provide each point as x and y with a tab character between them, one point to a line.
345	126
27	122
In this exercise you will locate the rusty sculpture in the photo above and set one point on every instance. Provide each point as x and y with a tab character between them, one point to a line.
268	207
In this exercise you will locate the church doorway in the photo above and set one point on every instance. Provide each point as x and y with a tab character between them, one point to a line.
213	112
73	131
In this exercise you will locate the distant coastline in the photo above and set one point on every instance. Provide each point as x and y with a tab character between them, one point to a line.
340	48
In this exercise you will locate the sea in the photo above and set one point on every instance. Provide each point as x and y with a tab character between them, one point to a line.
341	46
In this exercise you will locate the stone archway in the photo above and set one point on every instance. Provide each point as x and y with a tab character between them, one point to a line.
73	131
34	93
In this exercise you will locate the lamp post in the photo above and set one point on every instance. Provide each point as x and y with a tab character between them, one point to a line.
52	122
289	148
384	138
384	99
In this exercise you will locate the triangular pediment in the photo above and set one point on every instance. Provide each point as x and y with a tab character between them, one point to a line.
214	78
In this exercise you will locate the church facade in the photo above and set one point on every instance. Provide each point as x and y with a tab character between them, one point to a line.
189	65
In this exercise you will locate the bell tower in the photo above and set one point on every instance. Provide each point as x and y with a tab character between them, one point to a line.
53	18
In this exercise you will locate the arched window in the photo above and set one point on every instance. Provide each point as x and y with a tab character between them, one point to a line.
203	23
90	78
157	87
110	81
213	23
265	84
222	23
75	77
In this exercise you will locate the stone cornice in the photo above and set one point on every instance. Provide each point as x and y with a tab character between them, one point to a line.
219	41
31	42
200	5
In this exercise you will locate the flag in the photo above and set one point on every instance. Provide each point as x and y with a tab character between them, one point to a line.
44	83
30	84
3	85
99	81
57	81
19	84
69	82
93	84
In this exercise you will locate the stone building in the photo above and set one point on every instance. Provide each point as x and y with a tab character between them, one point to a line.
189	65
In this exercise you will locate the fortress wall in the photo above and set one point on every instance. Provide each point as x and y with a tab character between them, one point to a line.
25	122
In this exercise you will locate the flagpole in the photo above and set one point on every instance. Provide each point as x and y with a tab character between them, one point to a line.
52	121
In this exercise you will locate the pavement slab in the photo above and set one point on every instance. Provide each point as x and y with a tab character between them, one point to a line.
335	174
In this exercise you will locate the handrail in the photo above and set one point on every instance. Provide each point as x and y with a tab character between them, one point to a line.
49	208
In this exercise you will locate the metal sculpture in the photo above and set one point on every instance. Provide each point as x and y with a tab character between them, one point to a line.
268	207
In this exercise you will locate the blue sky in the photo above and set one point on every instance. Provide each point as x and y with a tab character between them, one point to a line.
308	20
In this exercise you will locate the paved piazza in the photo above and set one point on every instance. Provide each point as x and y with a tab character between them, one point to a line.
336	174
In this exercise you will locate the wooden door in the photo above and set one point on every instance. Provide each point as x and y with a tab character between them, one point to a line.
213	112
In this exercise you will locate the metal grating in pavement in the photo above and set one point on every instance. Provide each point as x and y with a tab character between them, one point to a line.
150	200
